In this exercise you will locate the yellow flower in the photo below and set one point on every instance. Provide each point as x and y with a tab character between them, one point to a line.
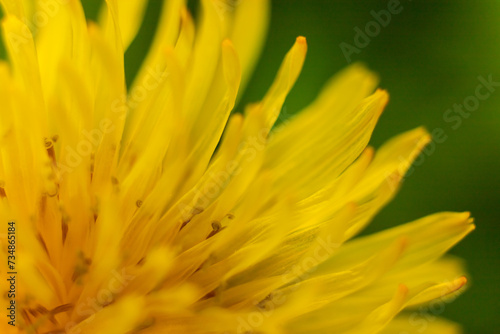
158	211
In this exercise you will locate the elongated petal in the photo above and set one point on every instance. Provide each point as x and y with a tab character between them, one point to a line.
414	323
130	15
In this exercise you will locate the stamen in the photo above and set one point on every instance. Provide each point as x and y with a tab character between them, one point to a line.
64	227
52	178
216	227
115	183
49	146
2	190
81	268
32	312
42	310
64	224
48	143
44	245
26	317
146	324
209	295
184	224
43	205
263	303
194	212
59	309
62	308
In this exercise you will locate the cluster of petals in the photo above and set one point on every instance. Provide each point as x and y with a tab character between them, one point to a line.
158	209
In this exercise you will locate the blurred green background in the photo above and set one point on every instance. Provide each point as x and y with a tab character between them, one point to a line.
429	57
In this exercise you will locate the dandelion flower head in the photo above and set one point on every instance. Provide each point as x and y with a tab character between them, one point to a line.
158	209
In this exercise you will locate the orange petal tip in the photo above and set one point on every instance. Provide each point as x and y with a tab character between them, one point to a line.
403	290
227	42
301	40
459	283
403	243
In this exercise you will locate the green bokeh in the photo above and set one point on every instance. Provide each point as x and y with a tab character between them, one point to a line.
428	57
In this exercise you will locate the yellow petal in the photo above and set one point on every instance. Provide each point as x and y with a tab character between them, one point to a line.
130	14
421	323
120	317
328	155
204	60
107	62
153	67
428	239
284	81
14	8
248	33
